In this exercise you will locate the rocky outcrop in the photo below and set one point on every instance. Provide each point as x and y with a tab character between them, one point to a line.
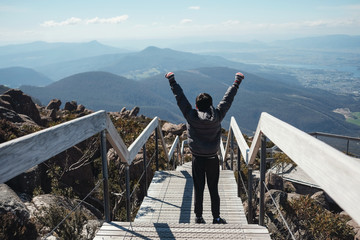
20	103
11	203
14	216
80	108
70	106
47	207
320	198
173	129
274	181
134	112
10	115
27	181
54	104
124	113
290	199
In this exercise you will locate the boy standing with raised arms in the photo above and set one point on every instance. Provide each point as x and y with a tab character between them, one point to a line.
204	132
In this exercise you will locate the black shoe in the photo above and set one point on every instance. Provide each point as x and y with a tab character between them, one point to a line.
219	221
200	220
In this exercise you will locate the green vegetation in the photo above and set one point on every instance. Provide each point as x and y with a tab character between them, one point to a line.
318	223
71	228
355	119
12	227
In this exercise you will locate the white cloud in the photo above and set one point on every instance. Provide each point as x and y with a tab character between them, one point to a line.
113	20
96	20
69	21
194	7
185	21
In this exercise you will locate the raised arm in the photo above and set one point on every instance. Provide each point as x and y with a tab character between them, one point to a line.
181	99
228	98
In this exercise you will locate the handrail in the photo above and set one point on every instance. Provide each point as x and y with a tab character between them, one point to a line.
328	135
35	148
244	148
334	136
331	169
30	150
173	147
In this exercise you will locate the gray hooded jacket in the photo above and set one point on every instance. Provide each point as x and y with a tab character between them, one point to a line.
204	128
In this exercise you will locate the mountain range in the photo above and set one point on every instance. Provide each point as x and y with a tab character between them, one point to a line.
139	65
103	77
37	54
15	77
307	109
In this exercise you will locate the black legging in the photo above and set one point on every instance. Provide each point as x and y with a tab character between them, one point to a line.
209	167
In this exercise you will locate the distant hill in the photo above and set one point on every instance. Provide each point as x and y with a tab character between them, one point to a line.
14	77
307	109
60	70
329	42
101	90
3	89
153	60
42	53
139	65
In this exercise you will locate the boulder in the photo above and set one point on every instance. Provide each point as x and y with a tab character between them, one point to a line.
11	203
14	216
70	106
289	187
89	229
80	108
293	196
124	113
54	105
320	198
10	115
5	104
21	104
52	207
134	112
279	196
173	128
53	114
274	181
41	202
27	181
76	174
123	110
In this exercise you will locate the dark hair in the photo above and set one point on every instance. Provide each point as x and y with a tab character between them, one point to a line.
203	101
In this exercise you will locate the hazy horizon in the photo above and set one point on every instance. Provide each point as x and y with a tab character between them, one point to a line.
163	23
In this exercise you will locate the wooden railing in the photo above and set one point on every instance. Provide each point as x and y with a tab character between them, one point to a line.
21	154
335	172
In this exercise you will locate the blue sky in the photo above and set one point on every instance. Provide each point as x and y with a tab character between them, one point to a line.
116	21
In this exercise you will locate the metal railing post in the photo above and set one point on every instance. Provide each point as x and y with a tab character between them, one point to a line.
127	176
177	157
145	170
347	147
262	180
174	160
105	176
250	190
238	169
156	150
231	149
